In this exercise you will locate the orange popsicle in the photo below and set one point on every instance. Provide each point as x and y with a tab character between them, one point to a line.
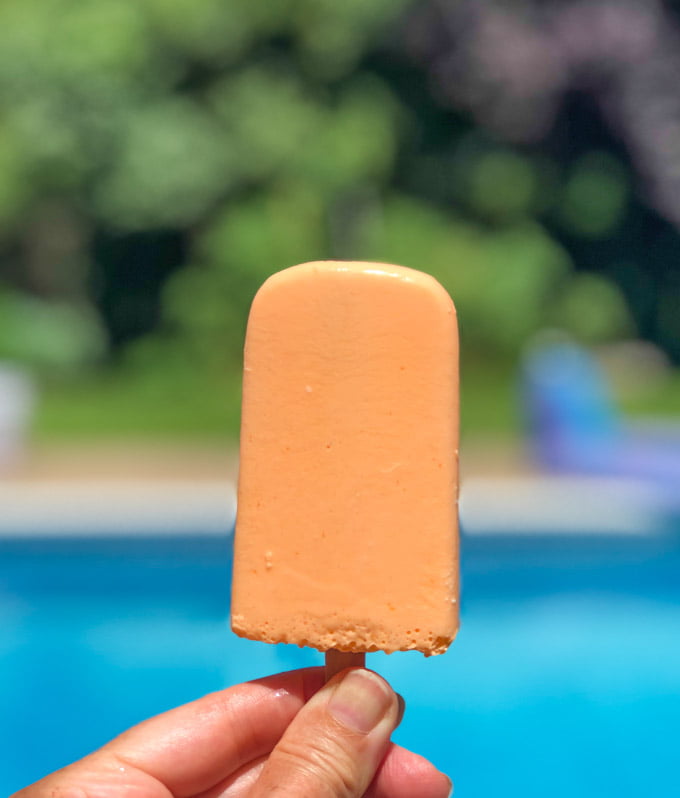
346	531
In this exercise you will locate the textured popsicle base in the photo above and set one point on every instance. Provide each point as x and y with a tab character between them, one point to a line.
349	636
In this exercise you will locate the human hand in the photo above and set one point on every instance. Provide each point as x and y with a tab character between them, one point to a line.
287	735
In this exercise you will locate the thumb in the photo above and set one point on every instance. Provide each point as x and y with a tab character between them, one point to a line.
336	742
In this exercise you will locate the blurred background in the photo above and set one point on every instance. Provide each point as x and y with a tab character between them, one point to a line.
160	158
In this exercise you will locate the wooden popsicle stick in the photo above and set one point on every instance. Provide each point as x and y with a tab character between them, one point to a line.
337	661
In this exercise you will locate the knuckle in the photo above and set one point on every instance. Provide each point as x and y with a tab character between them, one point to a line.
322	761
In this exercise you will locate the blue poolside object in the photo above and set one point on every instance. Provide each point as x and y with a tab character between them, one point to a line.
565	678
574	425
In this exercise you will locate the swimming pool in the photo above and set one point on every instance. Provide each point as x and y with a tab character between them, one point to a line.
565	678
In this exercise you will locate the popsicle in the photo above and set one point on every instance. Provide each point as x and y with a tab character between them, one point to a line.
346	532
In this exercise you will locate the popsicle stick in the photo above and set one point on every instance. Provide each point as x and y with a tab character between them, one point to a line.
337	661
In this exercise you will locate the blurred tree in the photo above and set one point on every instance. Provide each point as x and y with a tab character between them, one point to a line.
160	158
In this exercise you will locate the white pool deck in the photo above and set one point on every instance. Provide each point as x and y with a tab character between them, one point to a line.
488	506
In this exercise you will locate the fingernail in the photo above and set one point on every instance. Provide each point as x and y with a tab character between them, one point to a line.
401	709
360	701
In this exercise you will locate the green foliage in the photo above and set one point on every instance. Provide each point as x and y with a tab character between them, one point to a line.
115	405
209	30
333	36
593	309
157	179
502	184
595	195
52	336
14	187
266	134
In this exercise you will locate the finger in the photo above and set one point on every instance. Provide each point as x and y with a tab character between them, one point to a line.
403	774
193	747
333	747
190	749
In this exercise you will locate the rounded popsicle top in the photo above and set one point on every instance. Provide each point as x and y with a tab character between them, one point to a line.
359	269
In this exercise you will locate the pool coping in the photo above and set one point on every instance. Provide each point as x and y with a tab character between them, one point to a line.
116	507
528	505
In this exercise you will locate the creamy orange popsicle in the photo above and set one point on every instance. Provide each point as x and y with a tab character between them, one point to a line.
346	531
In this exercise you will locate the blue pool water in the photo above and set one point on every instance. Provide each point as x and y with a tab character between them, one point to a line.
564	681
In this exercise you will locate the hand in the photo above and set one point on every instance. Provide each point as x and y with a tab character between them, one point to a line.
287	735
